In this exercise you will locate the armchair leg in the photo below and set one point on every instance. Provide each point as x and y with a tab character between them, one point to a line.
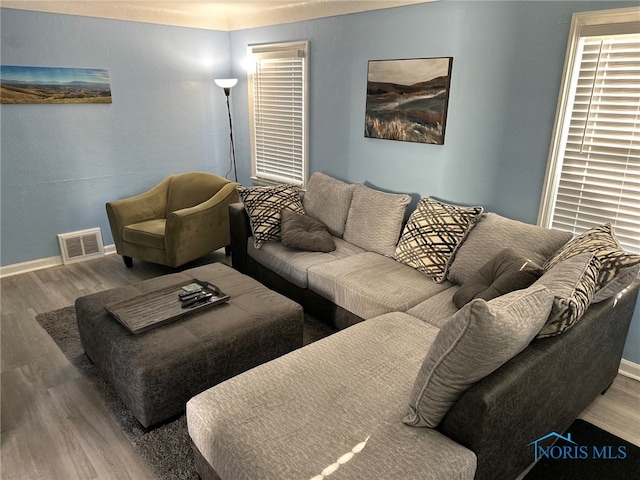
227	250
128	261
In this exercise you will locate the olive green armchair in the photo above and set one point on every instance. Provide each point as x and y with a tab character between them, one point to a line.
179	220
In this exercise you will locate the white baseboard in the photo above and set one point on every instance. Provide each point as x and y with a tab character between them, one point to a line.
33	265
629	369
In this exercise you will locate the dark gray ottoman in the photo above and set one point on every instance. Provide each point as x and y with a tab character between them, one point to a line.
157	371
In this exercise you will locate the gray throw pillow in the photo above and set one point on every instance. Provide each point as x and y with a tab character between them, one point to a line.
475	341
493	233
328	200
573	282
504	273
305	233
375	219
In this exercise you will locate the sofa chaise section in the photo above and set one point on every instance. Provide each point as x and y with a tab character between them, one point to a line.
305	413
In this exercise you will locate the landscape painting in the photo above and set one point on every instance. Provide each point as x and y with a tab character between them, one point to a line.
407	99
54	85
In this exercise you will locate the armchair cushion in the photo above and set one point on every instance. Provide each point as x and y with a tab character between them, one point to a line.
148	234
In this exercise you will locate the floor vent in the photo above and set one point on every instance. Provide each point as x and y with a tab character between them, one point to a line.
82	245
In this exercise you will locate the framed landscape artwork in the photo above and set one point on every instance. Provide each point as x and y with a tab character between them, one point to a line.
53	85
407	100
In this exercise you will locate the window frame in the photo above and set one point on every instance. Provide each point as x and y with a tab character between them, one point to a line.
583	24
273	51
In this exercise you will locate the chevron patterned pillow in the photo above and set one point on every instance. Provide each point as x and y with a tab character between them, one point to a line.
264	204
600	240
432	235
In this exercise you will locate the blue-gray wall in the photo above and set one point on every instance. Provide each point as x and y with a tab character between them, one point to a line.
61	163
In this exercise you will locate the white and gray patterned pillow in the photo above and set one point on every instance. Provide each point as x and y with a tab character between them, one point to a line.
375	219
432	235
477	339
264	204
328	200
600	240
573	283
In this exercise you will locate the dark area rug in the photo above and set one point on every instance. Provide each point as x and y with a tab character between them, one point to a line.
165	448
597	455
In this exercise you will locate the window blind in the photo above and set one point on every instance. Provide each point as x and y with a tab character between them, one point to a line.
599	176
279	115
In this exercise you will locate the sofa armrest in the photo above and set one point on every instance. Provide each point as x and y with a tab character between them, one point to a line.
541	390
240	233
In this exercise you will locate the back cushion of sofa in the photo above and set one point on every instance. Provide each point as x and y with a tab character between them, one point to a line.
375	219
492	234
328	200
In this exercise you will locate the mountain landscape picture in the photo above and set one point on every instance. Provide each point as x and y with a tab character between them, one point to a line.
407	99
54	85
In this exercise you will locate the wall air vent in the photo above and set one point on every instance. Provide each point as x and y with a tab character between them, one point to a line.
81	245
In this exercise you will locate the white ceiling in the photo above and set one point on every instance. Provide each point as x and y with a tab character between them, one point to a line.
211	14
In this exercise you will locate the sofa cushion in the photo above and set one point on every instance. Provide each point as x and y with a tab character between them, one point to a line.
304	233
292	265
263	206
478	339
437	309
494	233
306	412
375	219
389	286
504	273
328	200
600	240
432	235
573	282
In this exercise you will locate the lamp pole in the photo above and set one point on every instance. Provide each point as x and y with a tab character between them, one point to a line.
227	84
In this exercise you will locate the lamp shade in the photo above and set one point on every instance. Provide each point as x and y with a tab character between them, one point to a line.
226	82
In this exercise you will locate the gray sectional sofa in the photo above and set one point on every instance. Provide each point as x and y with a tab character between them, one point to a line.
416	386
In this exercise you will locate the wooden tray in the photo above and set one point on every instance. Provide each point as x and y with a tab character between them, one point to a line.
160	307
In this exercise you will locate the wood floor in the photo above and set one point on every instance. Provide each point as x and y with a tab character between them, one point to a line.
55	426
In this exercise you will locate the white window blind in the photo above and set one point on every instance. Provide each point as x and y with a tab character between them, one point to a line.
278	109
595	166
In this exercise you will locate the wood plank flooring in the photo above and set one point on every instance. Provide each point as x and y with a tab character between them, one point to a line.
54	425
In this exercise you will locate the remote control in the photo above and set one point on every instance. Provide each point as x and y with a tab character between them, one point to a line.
194	301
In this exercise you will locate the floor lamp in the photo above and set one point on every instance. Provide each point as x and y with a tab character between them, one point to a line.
227	84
